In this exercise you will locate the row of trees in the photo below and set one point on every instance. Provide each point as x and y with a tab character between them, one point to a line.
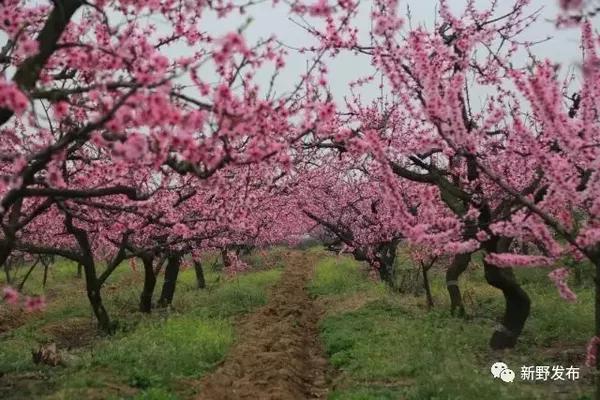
460	175
112	148
453	175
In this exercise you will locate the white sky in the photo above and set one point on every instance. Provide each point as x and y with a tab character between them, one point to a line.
269	20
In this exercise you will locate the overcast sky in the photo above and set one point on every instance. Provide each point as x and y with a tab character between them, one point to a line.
269	20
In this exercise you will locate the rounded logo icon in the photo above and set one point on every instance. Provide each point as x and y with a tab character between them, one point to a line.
507	375
497	369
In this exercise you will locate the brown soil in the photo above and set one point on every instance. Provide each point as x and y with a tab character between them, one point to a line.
72	333
12	318
278	355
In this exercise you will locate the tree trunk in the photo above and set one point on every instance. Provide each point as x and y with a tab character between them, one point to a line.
226	258
45	278
171	274
79	270
518	303
93	292
7	273
386	274
459	264
5	251
99	311
386	257
149	285
92	283
425	269
517	306
27	275
516	299
201	282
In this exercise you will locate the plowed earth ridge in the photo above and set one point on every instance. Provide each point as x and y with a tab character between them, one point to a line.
278	355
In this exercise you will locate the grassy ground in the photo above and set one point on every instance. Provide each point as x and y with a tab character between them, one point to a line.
158	356
382	345
389	346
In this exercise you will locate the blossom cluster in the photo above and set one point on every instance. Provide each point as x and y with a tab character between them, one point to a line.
30	303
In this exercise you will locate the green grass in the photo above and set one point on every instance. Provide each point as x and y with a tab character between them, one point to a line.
156	356
339	276
383	345
390	347
240	295
156	351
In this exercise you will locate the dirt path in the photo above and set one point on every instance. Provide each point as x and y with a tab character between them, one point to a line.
278	355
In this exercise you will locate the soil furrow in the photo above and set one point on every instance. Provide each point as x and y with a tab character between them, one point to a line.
278	354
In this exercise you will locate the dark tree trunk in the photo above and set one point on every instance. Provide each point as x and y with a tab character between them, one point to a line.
27	274
517	301
149	285
425	268
93	292
45	278
8	242
384	263
7	273
171	274
246	249
92	283
201	282
517	306
99	311
226	258
459	264
5	251
386	258
386	274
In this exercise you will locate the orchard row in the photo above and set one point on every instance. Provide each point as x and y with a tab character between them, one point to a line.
112	148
